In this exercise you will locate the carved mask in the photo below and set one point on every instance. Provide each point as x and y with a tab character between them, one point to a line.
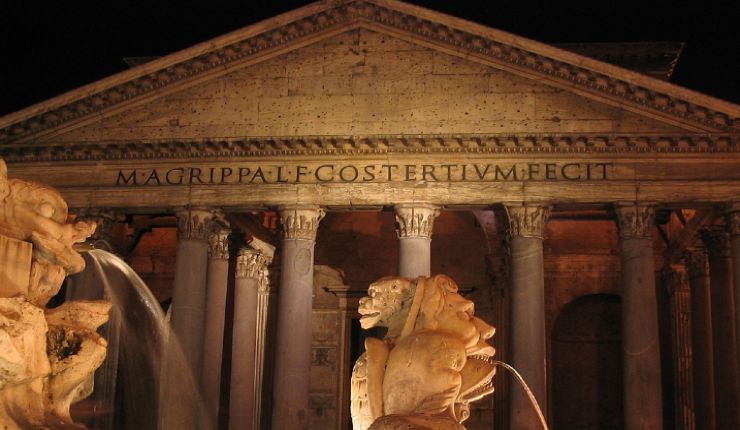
386	302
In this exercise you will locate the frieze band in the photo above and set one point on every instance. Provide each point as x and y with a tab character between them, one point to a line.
346	173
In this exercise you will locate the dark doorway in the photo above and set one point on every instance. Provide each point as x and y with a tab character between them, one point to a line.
587	364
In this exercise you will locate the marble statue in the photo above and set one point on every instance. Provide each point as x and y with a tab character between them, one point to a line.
47	356
433	361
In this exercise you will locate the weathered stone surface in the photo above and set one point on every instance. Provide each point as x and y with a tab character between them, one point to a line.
432	363
47	359
14	267
363	82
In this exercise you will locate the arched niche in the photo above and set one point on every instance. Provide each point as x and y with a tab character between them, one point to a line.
587	364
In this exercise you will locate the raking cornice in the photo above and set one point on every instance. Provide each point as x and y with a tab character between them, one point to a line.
554	66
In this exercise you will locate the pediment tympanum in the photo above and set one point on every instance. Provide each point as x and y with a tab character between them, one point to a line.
315	24
372	102
362	82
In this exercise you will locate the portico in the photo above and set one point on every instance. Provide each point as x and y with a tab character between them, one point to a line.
380	138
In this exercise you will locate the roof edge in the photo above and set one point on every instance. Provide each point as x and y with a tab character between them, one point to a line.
642	92
166	61
560	54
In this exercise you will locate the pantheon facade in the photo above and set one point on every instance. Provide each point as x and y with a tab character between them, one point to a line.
261	180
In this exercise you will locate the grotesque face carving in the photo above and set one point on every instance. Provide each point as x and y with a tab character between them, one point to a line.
37	213
385	302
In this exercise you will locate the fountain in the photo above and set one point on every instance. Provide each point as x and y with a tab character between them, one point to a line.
432	363
47	356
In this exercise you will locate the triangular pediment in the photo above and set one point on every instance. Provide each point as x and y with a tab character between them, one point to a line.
362	82
367	67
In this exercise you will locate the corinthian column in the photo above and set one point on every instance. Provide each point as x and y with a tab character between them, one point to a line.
415	223
180	398
213	332
251	273
293	336
526	228
723	327
701	338
643	404
733	224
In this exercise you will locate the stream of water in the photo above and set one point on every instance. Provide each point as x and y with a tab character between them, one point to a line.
531	396
140	341
145	354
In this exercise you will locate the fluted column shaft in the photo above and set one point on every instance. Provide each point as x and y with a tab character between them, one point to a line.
251	272
723	328
265	339
294	333
213	333
415	224
643	403
528	352
701	339
183	359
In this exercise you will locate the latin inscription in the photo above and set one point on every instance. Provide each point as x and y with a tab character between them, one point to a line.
351	173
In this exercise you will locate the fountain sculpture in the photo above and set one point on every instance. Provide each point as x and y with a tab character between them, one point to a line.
433	361
47	356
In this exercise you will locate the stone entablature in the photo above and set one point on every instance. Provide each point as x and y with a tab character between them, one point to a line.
557	67
504	143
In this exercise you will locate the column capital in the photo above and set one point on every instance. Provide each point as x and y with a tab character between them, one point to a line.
416	219
717	240
218	243
635	220
196	222
675	278
696	262
252	263
300	222
104	219
732	218
527	220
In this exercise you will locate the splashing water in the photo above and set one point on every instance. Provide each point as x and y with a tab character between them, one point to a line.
532	399
148	355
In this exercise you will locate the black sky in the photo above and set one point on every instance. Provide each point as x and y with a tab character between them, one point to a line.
50	47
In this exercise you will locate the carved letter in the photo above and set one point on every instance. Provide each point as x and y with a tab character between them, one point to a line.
131	180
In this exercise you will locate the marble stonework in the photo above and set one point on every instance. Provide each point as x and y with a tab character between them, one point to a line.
370	105
309	108
433	362
47	356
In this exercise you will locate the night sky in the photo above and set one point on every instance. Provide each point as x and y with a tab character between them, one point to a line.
50	47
